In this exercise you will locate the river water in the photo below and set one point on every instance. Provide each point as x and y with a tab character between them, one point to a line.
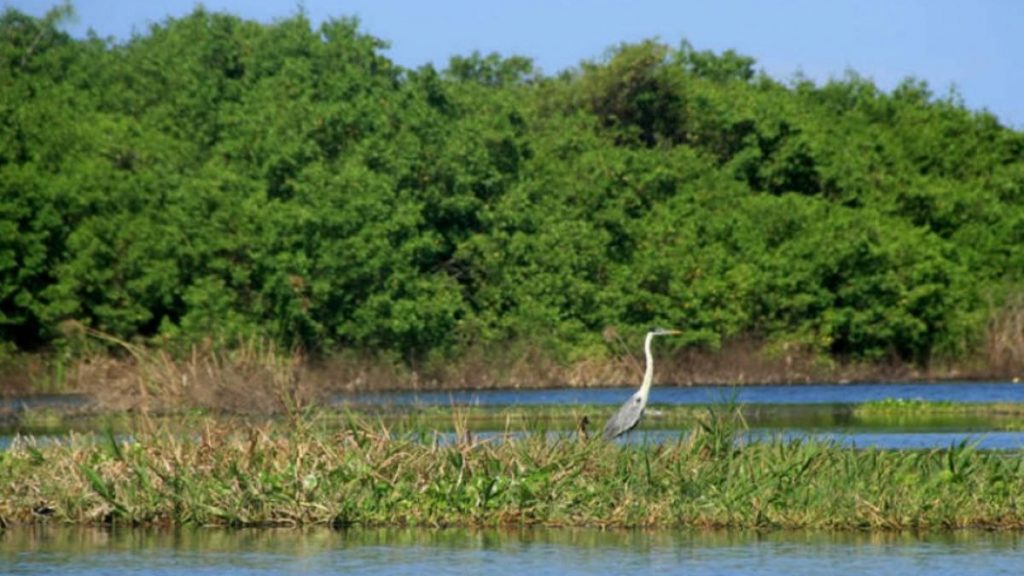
538	552
964	392
821	411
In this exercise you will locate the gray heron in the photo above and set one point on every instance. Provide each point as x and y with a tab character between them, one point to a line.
627	417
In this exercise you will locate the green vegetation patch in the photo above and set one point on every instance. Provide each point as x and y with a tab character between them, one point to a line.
306	472
914	406
212	180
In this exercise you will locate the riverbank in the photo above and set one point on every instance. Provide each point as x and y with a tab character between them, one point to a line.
259	377
301	471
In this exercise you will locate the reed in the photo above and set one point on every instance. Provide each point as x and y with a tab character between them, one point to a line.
310	469
1004	342
256	376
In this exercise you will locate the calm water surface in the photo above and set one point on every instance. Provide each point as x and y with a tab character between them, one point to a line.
967	392
823	411
894	440
537	552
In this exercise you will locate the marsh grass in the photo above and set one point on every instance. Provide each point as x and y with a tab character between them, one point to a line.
312	469
255	376
1004	343
922	407
909	414
902	405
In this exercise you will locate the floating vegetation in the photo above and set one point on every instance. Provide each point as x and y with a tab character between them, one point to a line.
937	415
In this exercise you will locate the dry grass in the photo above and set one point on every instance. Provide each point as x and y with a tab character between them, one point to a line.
255	377
1005	337
26	374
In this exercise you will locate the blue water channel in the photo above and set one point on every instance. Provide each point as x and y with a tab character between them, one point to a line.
766	398
539	552
814	411
818	411
965	392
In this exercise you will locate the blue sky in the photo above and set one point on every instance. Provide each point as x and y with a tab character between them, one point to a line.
969	45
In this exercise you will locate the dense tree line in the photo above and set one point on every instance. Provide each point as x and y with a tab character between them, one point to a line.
222	178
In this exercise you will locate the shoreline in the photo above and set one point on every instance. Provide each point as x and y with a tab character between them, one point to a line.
266	380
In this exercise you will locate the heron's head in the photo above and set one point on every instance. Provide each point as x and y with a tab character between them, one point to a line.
663	332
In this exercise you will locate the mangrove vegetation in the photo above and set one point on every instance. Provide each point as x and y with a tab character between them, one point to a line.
214	180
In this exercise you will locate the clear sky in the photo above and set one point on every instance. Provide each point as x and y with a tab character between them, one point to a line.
975	46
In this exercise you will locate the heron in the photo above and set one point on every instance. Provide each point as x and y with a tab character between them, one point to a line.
627	417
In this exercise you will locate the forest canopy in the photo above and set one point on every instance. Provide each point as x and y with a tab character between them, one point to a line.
219	178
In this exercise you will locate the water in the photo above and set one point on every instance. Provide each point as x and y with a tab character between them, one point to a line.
540	552
965	392
823	411
895	440
992	440
852	439
16	404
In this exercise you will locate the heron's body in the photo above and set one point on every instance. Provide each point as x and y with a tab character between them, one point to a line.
627	416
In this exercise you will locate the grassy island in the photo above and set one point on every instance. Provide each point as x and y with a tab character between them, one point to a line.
304	472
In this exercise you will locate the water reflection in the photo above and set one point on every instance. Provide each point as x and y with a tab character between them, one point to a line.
42	550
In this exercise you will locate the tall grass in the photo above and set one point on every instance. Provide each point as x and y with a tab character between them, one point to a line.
1005	336
308	470
254	376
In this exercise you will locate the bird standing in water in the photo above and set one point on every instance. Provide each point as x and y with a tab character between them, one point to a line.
627	417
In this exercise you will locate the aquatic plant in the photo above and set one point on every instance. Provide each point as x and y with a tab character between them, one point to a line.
915	406
312	470
888	405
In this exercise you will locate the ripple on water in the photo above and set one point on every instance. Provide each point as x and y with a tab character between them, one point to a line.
533	551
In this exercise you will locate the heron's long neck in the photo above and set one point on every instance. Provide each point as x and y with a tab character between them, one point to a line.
645	388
